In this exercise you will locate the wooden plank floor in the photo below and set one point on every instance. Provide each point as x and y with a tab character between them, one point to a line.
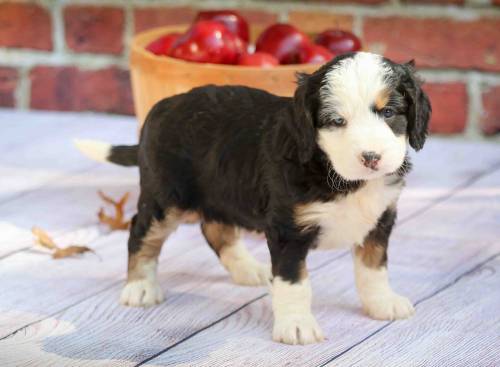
444	255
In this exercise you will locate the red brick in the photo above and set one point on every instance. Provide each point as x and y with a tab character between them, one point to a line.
435	2
496	2
365	2
490	120
54	88
106	90
437	43
94	29
449	107
71	89
25	26
315	22
8	83
146	18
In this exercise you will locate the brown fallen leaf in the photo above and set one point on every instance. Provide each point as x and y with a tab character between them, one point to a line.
43	239
70	251
118	221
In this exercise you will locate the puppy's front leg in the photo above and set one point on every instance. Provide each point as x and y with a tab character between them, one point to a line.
291	297
370	266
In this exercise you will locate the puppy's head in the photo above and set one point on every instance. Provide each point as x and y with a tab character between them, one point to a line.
362	110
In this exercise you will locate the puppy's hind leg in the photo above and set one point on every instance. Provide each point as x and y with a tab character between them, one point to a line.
243	267
150	228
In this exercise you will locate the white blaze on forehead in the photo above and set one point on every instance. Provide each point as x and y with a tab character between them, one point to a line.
354	84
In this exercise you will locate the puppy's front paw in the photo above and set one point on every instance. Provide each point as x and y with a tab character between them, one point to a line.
250	272
141	293
388	307
297	329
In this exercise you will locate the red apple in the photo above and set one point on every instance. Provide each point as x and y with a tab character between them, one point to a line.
314	54
338	41
230	18
208	41
283	41
161	46
261	59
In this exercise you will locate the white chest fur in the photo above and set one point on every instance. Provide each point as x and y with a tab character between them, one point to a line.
346	221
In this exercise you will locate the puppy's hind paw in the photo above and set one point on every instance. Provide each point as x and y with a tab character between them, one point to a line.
250	272
297	329
141	293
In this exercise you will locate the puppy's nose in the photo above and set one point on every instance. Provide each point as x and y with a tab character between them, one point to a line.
370	159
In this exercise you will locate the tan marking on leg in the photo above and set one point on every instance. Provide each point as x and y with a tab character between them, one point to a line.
234	256
220	235
151	244
371	253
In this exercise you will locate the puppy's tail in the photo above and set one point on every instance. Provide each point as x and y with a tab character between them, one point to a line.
124	155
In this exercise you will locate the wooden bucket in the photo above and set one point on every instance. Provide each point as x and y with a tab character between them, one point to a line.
156	77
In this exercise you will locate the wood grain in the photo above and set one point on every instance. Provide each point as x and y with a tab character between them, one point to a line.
38	149
478	208
458	327
43	170
67	312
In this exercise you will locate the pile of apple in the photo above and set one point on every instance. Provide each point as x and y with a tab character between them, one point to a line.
222	36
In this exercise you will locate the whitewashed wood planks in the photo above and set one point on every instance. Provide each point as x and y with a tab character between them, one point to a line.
47	182
28	292
459	327
36	148
442	167
194	282
66	338
472	214
68	205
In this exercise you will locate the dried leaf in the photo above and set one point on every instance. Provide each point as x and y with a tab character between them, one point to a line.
117	222
70	251
114	223
106	198
123	200
43	239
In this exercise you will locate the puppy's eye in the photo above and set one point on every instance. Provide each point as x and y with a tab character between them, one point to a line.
339	121
387	112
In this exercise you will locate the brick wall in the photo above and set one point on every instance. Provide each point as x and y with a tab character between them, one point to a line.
73	55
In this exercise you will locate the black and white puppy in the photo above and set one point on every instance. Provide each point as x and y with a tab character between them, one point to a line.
323	169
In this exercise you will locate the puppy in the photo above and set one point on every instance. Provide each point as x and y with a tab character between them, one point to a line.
323	169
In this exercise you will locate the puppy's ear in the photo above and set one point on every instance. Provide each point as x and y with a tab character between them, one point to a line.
302	127
419	107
